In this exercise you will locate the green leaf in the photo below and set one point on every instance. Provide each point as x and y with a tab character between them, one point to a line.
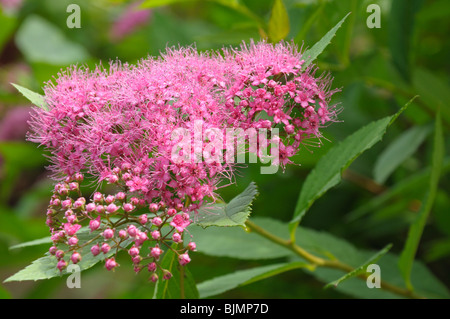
328	170
45	240
235	242
279	22
311	54
160	3
401	26
326	245
404	186
33	97
171	289
361	269
434	91
41	41
398	151
8	24
235	213
240	278
45	267
416	229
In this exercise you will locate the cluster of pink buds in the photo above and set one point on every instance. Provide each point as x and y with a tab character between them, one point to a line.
106	224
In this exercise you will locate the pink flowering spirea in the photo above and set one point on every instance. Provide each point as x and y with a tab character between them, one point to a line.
116	126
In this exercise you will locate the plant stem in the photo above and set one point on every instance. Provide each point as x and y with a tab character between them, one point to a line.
320	262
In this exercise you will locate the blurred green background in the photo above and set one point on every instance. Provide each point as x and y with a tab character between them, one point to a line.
378	71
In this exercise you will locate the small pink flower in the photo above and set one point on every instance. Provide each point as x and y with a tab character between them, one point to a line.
71	229
180	222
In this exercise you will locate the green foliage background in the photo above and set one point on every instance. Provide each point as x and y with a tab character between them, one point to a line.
381	193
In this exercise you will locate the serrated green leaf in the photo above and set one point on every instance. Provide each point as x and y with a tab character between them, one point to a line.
33	97
404	186
326	245
171	289
240	278
398	151
311	54
45	267
45	240
235	242
416	229
328	170
235	213
360	269
279	22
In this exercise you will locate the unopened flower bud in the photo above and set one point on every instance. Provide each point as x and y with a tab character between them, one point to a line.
95	250
73	241
156	235
62	264
108	233
143	219
176	237
156	252
171	212
132	230
75	258
153	207
127	207
151	267
59	254
157	221
105	248
110	263
184	259
192	246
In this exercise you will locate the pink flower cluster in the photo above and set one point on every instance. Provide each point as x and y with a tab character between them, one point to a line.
116	126
114	223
